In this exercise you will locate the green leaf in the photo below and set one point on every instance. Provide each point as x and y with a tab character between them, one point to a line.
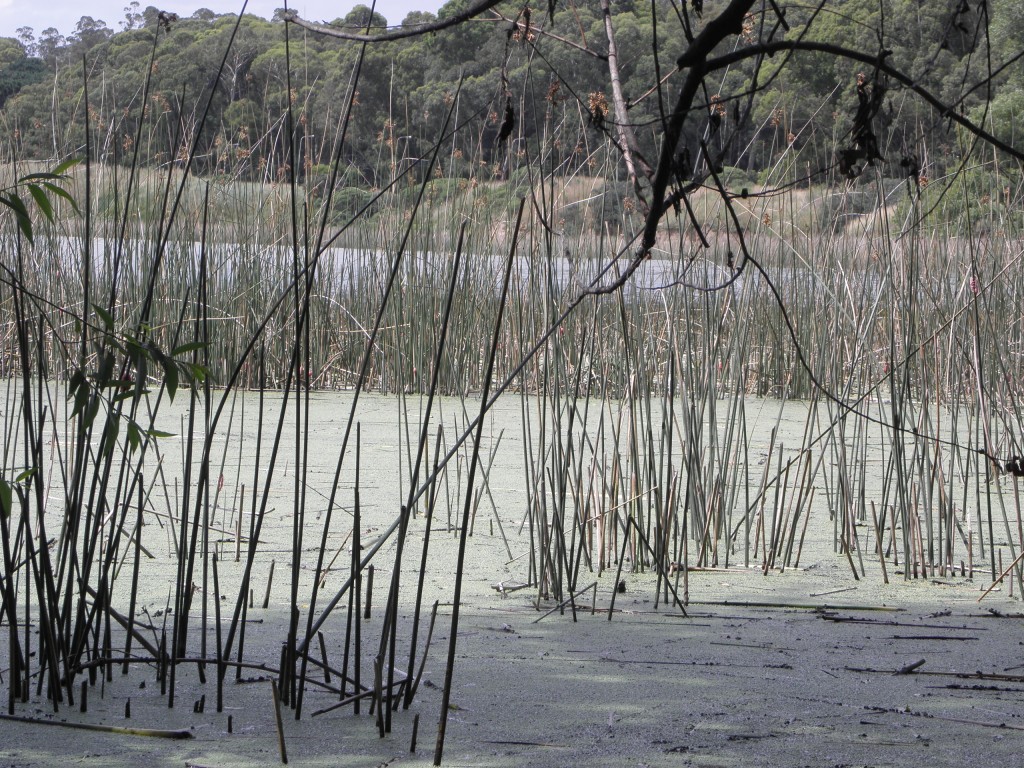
25	474
111	430
106	317
104	367
192	346
170	377
6	498
34	177
77	379
127	395
158	434
42	201
62	193
134	439
62	169
199	373
13	201
137	353
57	173
17	205
81	395
90	412
110	340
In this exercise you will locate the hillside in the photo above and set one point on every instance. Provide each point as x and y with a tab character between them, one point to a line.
551	71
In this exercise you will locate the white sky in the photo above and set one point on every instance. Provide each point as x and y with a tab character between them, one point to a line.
64	14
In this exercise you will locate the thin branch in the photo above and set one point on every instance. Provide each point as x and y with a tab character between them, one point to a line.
399	33
533	29
728	22
875	60
630	148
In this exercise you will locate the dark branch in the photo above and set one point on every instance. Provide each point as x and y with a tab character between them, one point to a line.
944	109
695	59
399	33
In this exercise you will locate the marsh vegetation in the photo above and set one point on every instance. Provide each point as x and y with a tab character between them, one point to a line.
193	350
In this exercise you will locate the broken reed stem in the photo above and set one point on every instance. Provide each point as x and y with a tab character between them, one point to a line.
463	532
323	657
277	720
415	682
369	591
357	577
154	733
221	669
270	583
1003	573
878	543
238	526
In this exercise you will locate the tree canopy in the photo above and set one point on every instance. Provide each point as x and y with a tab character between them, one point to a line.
607	67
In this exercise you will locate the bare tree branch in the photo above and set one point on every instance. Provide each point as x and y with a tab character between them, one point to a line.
874	60
413	30
628	144
695	58
533	29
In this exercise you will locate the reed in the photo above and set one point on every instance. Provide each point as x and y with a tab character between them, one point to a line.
651	417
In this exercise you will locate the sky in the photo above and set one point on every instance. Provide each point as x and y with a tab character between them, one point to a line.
64	14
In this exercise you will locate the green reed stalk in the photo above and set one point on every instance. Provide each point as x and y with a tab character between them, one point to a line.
463	531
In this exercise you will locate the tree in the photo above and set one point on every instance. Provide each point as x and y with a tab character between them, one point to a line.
16	69
361	17
50	45
133	18
416	18
11	50
89	33
27	37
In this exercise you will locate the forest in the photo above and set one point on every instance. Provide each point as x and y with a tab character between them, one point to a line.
549	67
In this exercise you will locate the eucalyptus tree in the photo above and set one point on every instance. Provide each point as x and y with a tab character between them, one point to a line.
704	86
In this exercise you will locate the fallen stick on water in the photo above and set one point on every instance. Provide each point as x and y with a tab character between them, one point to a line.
572	596
799	606
930	716
1002	576
910	668
831	592
502	587
156	733
958	675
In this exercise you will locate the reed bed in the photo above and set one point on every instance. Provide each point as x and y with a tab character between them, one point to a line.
211	320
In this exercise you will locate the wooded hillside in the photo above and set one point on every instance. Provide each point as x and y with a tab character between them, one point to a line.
549	73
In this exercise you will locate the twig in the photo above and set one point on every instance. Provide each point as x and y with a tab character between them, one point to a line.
277	719
910	668
1002	576
572	596
893	711
156	733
